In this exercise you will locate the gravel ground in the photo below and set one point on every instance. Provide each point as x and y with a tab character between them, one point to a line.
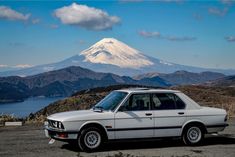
29	141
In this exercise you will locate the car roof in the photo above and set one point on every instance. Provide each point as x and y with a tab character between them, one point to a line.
147	90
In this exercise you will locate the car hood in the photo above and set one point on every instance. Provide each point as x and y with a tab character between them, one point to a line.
80	115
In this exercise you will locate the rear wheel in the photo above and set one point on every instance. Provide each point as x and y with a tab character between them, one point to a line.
90	139
193	135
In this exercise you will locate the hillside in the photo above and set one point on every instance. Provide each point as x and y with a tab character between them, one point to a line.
63	82
228	81
205	96
221	97
12	93
181	77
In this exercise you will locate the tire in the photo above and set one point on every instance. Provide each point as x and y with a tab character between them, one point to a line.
90	139
193	135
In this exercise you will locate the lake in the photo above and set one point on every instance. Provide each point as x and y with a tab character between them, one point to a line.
31	105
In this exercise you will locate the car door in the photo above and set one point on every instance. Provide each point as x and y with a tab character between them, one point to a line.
169	114
134	119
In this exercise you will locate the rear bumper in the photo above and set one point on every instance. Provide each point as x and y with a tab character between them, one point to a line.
216	128
59	134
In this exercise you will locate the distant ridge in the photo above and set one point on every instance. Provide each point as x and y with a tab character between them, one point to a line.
65	82
228	81
182	77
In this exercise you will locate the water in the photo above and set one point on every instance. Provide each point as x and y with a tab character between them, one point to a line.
31	105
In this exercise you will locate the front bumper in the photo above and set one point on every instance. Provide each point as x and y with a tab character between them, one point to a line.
60	134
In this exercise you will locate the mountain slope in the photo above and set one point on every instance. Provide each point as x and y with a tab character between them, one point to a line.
12	93
228	81
112	51
111	55
61	82
66	81
181	77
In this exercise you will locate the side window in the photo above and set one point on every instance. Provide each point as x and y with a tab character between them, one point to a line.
167	101
179	103
163	101
137	102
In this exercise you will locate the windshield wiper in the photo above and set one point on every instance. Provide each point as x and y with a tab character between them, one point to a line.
98	108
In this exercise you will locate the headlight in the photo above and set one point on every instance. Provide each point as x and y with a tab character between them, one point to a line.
56	124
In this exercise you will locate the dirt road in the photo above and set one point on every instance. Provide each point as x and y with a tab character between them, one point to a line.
29	141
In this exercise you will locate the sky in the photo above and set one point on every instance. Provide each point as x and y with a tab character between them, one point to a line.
196	33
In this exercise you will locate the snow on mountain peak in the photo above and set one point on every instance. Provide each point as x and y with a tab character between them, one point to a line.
112	51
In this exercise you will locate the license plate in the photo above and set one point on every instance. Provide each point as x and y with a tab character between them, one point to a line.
51	141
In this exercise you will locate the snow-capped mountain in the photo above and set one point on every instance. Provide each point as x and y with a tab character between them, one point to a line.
112	51
111	55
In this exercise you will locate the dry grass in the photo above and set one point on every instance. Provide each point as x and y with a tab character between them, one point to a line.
220	97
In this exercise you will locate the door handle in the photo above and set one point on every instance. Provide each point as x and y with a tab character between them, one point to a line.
148	114
180	113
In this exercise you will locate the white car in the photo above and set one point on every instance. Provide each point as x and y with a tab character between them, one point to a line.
137	113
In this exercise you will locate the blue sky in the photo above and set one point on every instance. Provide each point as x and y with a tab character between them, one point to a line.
192	33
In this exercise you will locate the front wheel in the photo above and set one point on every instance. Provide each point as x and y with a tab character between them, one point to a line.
193	135
90	139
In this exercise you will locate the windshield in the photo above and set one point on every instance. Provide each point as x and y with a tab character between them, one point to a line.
111	101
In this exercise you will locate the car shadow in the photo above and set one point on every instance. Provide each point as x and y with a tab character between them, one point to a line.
156	143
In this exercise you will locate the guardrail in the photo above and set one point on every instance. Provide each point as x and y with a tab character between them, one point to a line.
10	120
17	123
14	123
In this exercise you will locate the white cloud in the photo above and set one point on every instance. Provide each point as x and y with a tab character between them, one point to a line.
35	21
53	26
82	42
230	38
217	12
86	17
131	0
166	63
18	66
170	1
149	34
163	1
184	38
48	68
10	14
197	16
227	2
158	35
22	66
16	44
3	65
